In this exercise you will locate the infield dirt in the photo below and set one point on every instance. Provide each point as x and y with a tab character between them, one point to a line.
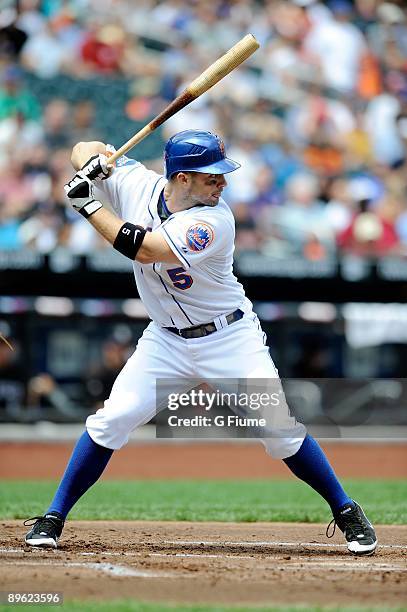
225	563
231	563
168	461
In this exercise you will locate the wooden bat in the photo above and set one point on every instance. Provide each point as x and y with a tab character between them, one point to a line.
216	71
6	342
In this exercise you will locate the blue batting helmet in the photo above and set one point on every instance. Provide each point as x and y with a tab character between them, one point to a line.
196	151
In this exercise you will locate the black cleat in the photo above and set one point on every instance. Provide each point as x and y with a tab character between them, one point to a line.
45	531
356	528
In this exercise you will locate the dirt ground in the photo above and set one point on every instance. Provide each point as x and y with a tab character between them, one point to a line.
227	563
166	461
259	563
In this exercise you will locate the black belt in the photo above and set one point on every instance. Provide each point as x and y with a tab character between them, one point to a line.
199	331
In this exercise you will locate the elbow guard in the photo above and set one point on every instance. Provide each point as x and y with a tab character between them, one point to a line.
129	240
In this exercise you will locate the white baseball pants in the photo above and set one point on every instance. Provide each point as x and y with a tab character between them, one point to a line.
236	351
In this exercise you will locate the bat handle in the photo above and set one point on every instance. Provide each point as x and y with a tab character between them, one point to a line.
138	137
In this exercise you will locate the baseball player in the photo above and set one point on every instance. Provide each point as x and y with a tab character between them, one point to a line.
179	234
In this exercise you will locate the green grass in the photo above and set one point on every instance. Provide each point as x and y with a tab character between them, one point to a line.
182	500
135	606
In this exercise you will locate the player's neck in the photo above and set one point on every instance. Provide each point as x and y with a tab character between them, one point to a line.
175	200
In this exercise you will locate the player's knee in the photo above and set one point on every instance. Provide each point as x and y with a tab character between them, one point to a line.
104	436
282	447
111	427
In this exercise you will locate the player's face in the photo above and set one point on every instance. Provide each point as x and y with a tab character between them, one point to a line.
206	188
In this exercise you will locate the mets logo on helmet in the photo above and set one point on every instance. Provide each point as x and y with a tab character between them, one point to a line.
199	236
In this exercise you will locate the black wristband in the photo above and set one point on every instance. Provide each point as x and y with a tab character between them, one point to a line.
129	239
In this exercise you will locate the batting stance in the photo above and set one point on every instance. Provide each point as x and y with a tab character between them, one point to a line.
179	234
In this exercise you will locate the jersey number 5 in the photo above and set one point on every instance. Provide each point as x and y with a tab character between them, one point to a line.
180	280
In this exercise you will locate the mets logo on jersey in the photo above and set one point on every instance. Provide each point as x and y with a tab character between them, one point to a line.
199	236
125	161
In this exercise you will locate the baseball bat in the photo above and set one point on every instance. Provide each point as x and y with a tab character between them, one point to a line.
216	71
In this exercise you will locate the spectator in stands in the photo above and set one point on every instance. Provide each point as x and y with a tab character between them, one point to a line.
383	130
12	38
16	193
326	95
46	400
389	26
44	54
401	228
339	208
242	186
301	221
40	230
337	43
30	17
15	98
103	48
248	237
9	228
266	191
315	113
57	124
18	136
369	233
114	354
83	118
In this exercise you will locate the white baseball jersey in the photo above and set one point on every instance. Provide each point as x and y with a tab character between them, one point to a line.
203	285
197	290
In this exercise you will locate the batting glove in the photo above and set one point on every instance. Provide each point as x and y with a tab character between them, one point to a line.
80	193
97	168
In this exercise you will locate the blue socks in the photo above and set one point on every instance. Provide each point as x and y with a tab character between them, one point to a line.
311	465
85	466
89	460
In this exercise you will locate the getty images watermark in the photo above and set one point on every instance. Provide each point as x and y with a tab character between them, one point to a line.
208	401
231	408
266	408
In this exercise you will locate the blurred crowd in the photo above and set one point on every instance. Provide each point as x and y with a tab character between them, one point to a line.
317	117
32	390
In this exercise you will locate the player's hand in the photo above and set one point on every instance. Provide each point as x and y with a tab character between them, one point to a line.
43	384
80	193
97	167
